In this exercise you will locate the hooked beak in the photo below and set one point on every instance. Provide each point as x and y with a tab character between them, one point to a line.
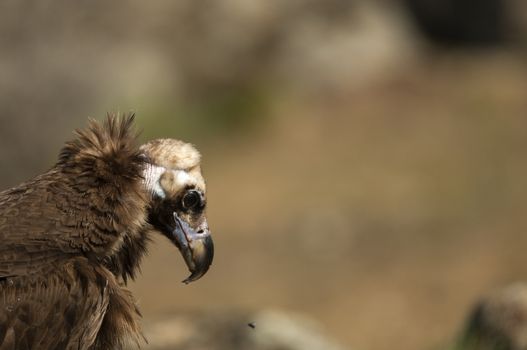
195	245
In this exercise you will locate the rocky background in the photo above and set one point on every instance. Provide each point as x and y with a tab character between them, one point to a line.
366	159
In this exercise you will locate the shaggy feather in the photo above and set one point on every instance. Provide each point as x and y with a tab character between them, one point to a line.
59	230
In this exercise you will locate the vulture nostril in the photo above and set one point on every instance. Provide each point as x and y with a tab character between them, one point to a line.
200	231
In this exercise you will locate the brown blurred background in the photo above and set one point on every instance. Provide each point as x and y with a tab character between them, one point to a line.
366	160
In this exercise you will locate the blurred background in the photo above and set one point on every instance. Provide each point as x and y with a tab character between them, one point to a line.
366	159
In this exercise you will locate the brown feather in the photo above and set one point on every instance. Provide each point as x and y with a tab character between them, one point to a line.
70	238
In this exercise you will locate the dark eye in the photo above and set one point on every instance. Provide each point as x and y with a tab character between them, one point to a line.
191	199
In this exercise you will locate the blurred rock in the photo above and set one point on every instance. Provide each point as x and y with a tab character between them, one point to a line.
268	330
304	44
517	26
470	23
369	40
498	321
460	22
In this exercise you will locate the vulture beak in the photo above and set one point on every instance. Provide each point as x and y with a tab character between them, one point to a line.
195	245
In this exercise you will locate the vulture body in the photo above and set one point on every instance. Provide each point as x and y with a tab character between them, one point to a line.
73	236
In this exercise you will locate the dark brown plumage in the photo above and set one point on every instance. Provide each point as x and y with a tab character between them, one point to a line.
72	237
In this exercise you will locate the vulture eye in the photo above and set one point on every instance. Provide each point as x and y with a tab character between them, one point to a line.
191	199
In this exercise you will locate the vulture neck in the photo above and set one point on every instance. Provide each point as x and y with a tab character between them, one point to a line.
102	170
125	263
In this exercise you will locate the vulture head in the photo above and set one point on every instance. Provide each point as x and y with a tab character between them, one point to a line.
173	180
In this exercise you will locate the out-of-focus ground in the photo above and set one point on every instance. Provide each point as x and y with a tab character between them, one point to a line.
357	173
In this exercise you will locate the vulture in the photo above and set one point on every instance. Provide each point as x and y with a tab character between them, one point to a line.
72	237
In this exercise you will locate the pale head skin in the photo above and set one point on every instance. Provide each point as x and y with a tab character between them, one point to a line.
175	164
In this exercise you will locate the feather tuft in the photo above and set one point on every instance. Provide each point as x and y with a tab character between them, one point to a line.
106	151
